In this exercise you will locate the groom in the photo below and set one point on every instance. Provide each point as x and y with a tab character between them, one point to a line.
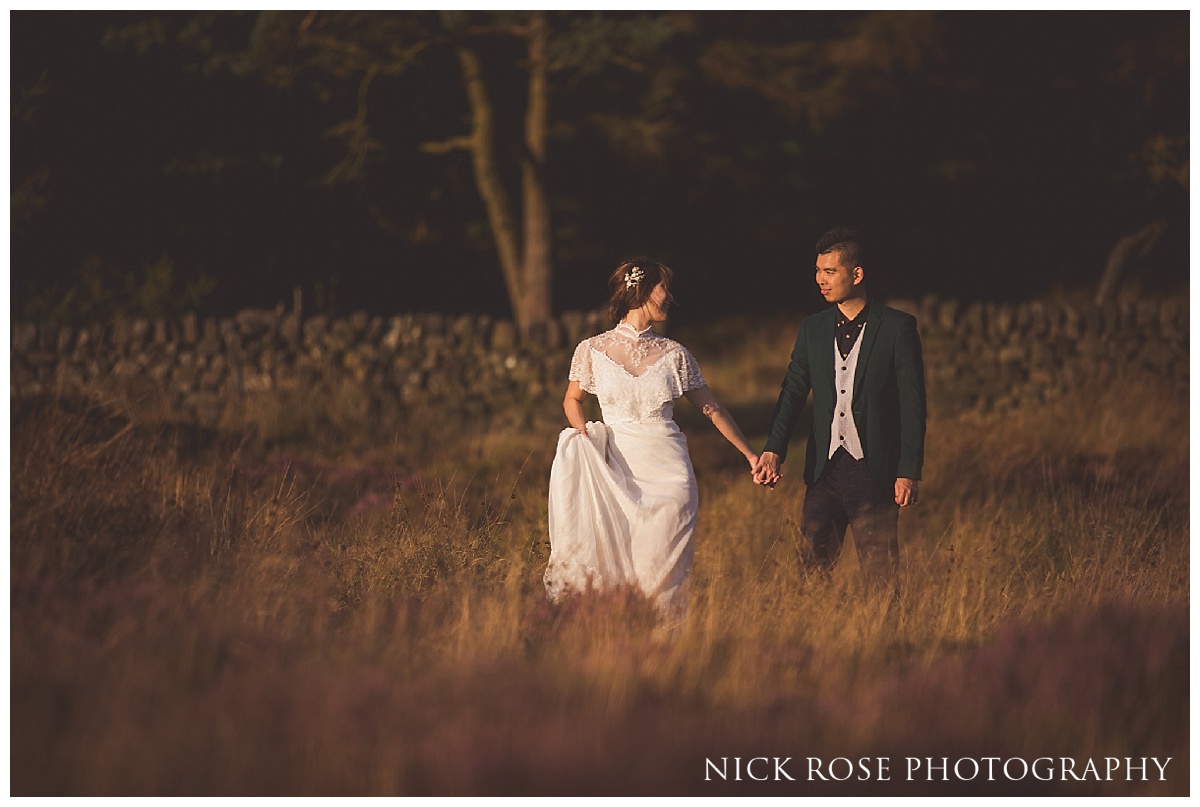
862	362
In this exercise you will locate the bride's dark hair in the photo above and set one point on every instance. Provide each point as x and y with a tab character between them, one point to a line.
630	285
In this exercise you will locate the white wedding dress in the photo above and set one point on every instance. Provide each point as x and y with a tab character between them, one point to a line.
623	499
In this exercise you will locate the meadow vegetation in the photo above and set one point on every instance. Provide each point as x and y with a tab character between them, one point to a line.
342	612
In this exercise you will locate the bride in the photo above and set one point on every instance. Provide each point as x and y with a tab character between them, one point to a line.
622	492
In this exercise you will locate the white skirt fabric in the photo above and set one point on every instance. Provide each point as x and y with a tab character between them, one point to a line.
622	511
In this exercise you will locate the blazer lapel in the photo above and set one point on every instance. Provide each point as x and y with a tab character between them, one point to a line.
870	331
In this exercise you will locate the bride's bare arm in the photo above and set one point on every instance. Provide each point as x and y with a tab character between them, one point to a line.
707	402
573	406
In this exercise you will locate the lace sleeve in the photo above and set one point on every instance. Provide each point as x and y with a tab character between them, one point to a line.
581	367
687	371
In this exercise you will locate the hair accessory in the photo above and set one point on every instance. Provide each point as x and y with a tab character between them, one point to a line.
633	277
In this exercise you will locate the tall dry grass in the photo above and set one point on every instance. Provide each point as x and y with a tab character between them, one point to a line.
197	612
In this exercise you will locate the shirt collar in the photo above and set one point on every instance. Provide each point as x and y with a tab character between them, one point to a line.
628	330
860	317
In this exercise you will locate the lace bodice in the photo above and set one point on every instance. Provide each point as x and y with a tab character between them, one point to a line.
637	376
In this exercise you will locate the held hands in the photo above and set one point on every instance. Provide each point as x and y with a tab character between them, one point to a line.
766	472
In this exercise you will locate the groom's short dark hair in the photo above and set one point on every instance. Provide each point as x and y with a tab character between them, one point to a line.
851	244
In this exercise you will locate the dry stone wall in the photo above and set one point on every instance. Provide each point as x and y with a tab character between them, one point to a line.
998	356
978	355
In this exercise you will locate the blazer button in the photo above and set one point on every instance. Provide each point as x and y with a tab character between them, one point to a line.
841	414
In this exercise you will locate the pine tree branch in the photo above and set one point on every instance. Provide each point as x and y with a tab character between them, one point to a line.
461	143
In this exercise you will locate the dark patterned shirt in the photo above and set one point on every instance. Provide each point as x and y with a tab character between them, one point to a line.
848	330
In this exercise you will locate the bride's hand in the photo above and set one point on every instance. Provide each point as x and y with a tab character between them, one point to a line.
752	458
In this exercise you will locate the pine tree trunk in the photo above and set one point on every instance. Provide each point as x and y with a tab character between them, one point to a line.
535	280
1130	251
491	187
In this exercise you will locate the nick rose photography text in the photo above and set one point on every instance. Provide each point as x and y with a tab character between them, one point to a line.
937	769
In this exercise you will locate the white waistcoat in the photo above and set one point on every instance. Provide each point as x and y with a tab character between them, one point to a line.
844	433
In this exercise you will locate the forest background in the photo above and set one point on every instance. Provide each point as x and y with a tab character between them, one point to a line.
423	161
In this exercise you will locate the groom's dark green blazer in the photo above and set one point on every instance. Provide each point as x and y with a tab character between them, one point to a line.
888	403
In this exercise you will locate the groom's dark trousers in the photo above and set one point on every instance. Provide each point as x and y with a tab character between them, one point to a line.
888	406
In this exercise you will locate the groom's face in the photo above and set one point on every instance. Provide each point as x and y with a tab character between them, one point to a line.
837	281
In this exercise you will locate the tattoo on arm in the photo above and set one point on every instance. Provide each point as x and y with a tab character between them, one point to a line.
710	410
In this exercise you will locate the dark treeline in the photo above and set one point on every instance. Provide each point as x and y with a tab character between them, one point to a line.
218	160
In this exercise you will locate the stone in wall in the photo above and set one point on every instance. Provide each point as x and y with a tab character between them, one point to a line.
504	336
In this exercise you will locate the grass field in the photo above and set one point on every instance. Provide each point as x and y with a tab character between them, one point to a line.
206	613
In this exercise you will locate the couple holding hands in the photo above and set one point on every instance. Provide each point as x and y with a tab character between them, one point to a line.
623	502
